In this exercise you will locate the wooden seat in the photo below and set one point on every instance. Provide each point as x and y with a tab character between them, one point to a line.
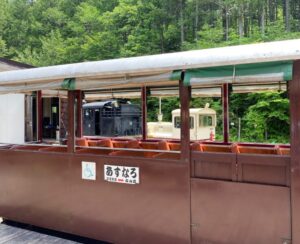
119	144
133	144
82	142
174	146
216	148
284	151
195	146
105	143
163	145
256	150
93	143
149	145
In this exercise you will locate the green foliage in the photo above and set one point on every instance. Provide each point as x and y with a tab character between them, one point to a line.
3	49
48	32
264	117
99	29
268	119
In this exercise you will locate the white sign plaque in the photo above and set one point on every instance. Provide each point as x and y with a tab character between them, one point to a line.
122	174
88	170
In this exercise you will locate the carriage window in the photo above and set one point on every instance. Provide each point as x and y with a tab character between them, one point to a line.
177	122
207	103
205	120
259	113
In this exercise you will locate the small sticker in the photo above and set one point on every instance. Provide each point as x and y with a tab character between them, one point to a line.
88	170
122	174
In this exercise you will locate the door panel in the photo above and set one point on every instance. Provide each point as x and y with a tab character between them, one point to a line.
229	212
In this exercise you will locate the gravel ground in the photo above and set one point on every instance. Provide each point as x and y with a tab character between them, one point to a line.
14	233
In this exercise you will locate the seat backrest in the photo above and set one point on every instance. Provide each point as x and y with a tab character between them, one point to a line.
216	148
163	145
284	151
82	142
149	145
93	143
195	146
133	144
119	144
257	150
105	143
174	146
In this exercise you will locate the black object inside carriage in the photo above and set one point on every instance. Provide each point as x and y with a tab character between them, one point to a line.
111	118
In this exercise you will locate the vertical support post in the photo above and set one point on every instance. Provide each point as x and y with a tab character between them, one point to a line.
79	97
71	121
39	116
185	97
144	113
225	99
185	154
294	95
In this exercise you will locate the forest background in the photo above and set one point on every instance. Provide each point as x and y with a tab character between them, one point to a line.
48	32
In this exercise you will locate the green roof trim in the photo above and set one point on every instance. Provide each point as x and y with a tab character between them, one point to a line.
282	70
69	84
176	75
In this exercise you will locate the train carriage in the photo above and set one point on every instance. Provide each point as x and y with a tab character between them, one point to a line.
160	191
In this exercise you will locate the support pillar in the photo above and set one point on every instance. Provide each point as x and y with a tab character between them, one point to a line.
39	101
225	99
71	121
144	113
185	97
294	95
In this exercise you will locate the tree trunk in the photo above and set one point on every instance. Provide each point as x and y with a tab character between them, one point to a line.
181	22
225	23
162	46
295	12
241	22
263	21
272	10
287	15
246	26
196	19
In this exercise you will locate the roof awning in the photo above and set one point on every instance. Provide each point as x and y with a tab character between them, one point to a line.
258	73
166	92
157	79
196	92
281	86
269	72
236	64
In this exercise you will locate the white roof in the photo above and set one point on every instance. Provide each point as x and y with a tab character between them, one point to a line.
196	111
